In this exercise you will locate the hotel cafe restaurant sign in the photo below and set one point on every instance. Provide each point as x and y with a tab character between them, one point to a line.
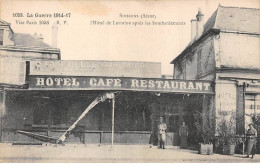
59	75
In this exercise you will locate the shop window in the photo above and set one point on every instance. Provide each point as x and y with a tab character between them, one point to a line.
174	123
139	119
1	36
40	117
57	117
45	114
146	119
136	120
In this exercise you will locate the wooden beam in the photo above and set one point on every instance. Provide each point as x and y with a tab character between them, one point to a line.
113	120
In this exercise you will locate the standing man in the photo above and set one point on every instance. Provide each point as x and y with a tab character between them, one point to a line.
251	141
183	132
161	133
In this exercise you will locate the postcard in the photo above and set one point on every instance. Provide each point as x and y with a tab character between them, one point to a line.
149	81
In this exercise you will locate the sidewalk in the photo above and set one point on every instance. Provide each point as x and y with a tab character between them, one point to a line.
79	153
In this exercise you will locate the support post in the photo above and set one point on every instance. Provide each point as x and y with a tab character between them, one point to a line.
101	136
244	109
113	120
49	122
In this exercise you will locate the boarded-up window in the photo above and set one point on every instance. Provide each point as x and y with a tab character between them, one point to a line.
1	36
199	62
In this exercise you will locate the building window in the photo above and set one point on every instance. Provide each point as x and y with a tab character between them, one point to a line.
199	62
139	119
1	36
181	69
184	68
190	57
178	71
252	110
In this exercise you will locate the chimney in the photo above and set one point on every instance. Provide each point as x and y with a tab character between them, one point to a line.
40	37
193	28
54	35
199	24
35	35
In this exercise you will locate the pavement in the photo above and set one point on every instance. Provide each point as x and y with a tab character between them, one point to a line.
94	153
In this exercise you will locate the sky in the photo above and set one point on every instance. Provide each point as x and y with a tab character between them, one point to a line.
79	39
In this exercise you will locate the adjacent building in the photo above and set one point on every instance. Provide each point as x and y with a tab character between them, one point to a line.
226	50
16	49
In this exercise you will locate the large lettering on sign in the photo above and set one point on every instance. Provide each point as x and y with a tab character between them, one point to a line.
121	83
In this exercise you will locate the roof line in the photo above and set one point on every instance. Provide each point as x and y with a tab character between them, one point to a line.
238	7
31	49
92	60
7	24
239	78
239	32
222	68
194	43
214	26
